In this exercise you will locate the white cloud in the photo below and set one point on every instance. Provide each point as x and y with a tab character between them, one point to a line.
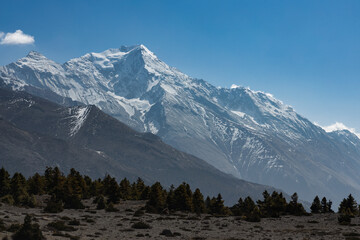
340	126
16	38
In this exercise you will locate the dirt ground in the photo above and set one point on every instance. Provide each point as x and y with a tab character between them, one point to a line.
98	224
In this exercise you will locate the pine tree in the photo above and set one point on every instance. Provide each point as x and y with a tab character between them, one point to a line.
329	204
157	198
134	194
294	198
248	206
273	205
295	208
125	189
77	182
54	181
96	188
237	209
183	198
254	215
248	209
316	205
208	204
88	183
324	205
293	204
113	191
4	182
145	195
140	187
265	205
348	206
72	195
278	204
352	205
198	202
170	199
18	188
218	207
36	184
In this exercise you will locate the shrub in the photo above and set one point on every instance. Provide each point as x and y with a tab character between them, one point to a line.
60	226
344	219
54	206
8	199
14	227
253	216
2	225
312	221
66	235
101	204
139	213
28	231
73	202
167	233
141	225
111	208
74	222
65	218
29	201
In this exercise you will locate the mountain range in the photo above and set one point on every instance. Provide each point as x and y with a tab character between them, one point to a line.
36	133
242	132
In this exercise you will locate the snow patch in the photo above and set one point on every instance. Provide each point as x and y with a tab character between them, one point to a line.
152	128
132	105
240	114
28	101
338	126
79	118
168	89
152	84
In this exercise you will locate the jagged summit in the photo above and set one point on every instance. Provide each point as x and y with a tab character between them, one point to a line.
139	47
118	53
35	54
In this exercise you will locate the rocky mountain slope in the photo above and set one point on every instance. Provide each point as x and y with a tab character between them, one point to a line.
249	134
35	133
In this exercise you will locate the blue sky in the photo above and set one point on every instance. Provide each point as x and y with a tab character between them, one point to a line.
306	53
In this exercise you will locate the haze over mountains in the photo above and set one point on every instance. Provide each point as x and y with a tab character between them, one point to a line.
246	133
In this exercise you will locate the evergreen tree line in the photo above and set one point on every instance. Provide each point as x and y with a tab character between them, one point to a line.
69	191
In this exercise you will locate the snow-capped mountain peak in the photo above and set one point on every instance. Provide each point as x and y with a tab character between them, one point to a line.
247	133
33	59
35	54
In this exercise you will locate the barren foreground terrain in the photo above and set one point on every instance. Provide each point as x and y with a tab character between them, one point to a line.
98	224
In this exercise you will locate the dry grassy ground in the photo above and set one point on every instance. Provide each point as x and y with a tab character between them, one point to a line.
98	224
